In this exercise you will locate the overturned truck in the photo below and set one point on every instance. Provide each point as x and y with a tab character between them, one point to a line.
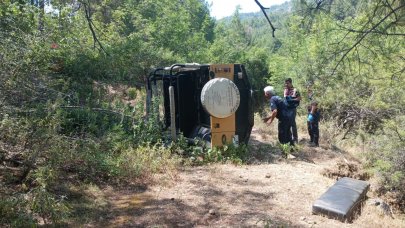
213	103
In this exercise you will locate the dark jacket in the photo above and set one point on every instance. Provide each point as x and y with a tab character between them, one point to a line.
283	112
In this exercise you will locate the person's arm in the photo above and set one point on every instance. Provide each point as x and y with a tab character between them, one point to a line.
311	114
297	96
271	118
285	92
313	110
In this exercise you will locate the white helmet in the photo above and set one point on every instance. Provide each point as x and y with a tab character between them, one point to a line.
269	90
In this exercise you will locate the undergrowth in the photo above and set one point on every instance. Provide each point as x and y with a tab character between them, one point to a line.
385	158
228	153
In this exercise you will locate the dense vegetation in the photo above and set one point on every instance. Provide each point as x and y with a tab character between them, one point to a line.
71	82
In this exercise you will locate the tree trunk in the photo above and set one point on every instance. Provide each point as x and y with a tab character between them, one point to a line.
41	15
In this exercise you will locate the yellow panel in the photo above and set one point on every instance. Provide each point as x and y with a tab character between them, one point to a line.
221	138
223	129
223	124
223	70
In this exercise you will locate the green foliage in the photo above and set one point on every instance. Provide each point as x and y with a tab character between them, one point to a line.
132	93
144	161
45	205
21	209
386	158
14	213
15	16
287	149
231	43
227	153
147	130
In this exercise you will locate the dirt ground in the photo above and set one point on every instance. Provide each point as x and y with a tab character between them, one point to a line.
270	191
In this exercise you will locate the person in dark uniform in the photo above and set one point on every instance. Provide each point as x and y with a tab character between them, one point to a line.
293	98
280	111
314	116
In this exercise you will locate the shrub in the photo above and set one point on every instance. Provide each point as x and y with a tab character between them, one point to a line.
387	159
47	206
14	213
131	93
147	130
287	148
145	161
227	153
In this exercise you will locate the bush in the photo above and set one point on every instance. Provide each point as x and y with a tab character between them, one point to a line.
21	210
227	153
147	130
14	213
131	93
47	206
387	159
144	161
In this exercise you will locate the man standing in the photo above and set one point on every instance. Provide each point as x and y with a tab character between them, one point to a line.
279	111
293	99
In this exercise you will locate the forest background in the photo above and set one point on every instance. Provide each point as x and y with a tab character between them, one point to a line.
71	82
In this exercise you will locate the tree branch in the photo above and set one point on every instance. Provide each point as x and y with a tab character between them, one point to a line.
264	12
363	36
375	32
91	25
399	134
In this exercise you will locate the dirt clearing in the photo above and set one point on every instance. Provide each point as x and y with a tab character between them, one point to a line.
270	192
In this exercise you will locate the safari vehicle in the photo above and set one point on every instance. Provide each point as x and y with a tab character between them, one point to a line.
213	103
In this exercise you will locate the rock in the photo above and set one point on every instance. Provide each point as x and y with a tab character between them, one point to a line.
268	175
290	156
382	207
374	201
211	212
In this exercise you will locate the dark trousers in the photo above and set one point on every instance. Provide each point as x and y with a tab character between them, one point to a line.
284	131
313	131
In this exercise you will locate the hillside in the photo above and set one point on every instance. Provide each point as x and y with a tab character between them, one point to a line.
282	9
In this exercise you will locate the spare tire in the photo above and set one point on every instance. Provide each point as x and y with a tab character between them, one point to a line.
220	97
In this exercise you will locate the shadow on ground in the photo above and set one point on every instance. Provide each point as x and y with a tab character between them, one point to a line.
263	152
142	210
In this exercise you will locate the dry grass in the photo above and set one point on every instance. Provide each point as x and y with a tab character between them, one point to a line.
279	194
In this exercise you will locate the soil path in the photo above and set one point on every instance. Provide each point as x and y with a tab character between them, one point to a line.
269	192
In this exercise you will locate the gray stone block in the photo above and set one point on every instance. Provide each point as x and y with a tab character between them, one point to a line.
342	200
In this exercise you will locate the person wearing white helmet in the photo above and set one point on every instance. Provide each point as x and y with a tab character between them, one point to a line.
279	110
